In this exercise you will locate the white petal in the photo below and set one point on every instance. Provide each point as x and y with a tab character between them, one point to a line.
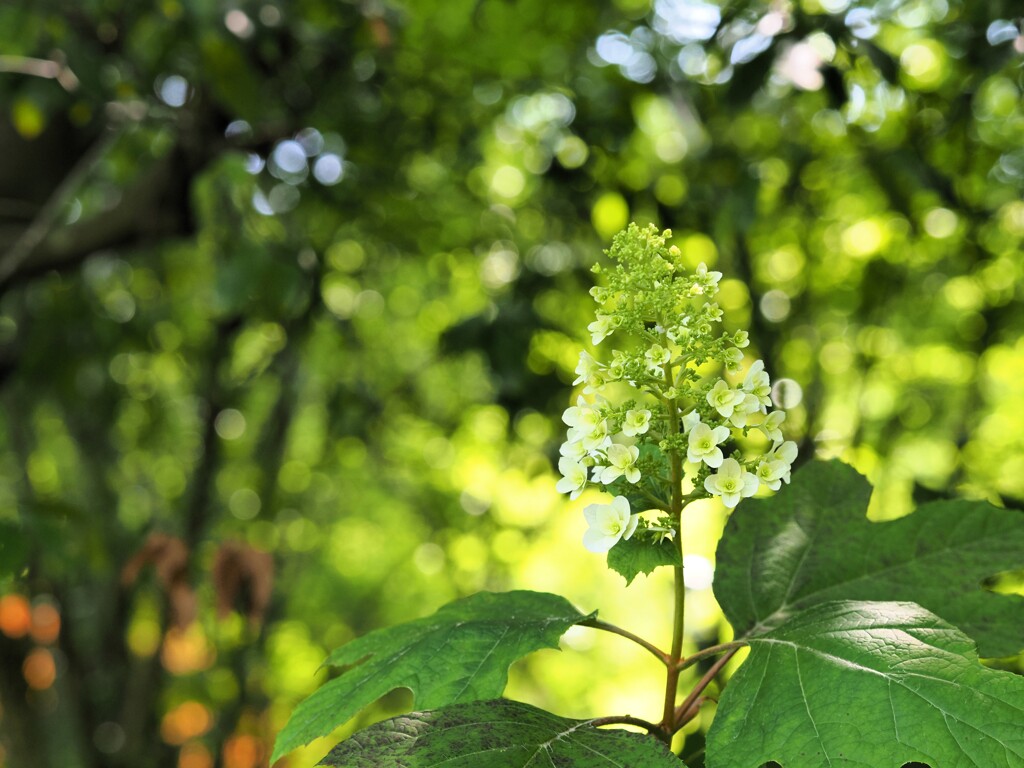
714	458
592	513
598	542
749	485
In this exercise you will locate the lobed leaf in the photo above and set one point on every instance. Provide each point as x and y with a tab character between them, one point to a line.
496	734
641	555
867	684
812	543
460	653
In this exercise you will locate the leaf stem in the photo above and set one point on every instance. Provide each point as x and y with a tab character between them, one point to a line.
605	626
657	503
683	713
711	650
629	720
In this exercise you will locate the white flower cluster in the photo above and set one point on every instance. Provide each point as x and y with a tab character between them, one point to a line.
668	317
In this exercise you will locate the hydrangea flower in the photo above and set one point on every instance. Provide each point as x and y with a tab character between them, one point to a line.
772	426
588	373
732	482
621	461
703	445
775	467
741	413
636	422
656	357
723	398
608	524
758	384
668	401
572	449
574	477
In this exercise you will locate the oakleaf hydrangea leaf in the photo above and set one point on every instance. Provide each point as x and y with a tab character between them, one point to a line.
867	684
459	654
641	555
812	543
496	734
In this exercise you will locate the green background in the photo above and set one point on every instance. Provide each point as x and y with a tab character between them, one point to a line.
309	278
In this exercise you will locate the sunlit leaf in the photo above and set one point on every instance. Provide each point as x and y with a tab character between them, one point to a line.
459	654
862	683
812	543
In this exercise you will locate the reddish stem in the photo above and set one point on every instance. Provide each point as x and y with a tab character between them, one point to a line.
683	714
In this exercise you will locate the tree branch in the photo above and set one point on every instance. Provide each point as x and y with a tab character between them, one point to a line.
45	68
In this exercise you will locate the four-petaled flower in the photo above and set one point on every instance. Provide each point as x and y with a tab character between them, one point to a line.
703	445
574	477
588	372
772	424
732	482
723	399
608	524
733	359
656	357
758	384
621	461
636	422
573	449
746	407
774	469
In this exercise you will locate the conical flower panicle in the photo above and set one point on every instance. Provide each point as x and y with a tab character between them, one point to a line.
656	326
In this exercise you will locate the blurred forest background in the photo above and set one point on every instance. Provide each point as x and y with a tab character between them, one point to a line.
291	294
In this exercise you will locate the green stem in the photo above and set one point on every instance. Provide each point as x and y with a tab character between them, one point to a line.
605	626
678	624
629	720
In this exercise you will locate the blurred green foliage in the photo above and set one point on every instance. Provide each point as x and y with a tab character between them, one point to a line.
309	279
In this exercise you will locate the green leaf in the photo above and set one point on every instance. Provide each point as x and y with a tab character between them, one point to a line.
867	684
459	654
641	555
496	734
812	543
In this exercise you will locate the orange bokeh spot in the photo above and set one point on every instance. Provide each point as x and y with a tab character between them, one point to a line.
195	756
242	752
45	624
186	651
15	616
185	722
39	669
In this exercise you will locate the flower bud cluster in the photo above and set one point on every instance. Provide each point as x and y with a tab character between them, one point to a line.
665	325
